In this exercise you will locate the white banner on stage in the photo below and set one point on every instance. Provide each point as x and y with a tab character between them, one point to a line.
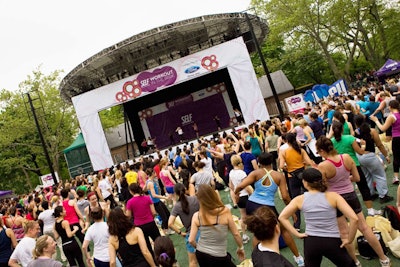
232	55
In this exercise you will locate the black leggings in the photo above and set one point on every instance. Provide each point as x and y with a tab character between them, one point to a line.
73	253
206	260
316	247
363	186
78	234
396	153
150	230
163	211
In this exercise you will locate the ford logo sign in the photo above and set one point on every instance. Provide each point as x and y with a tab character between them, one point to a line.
192	69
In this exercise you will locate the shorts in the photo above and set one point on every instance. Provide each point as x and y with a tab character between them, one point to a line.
189	247
243	202
389	131
251	207
169	189
352	200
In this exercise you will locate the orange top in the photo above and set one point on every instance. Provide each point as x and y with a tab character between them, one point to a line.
288	125
293	159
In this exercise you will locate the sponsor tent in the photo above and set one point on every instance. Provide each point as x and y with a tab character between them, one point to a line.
390	67
77	157
6	194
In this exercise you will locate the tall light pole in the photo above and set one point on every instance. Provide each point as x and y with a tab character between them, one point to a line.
264	64
46	153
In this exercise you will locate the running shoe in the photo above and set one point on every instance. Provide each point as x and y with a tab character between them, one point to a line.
300	261
385	263
385	199
245	239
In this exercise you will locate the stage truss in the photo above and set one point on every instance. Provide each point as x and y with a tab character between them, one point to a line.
159	46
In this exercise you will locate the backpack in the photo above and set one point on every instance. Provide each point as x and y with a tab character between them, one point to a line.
365	249
393	216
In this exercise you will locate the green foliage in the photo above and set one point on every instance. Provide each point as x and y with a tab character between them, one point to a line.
112	117
320	41
22	157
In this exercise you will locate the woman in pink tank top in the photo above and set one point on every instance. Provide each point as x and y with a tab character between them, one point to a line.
340	171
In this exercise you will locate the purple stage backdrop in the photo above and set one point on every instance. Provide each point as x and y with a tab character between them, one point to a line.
184	112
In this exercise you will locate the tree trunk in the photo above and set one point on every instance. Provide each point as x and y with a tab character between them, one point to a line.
27	177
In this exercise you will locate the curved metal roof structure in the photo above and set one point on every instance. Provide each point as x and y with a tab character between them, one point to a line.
159	46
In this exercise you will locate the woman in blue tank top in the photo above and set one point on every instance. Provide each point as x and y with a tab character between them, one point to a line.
322	237
266	182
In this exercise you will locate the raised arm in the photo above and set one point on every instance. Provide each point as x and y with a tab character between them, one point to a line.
388	122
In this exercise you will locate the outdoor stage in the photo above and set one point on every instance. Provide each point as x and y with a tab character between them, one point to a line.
212	76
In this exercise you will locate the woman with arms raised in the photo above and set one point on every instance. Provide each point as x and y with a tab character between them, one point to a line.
266	182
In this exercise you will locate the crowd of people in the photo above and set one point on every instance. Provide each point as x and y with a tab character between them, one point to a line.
312	159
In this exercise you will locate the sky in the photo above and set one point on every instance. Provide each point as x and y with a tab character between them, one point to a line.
59	34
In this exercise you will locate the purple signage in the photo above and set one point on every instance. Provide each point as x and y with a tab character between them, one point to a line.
294	100
151	81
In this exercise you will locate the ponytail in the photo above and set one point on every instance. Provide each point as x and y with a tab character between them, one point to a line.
337	128
180	191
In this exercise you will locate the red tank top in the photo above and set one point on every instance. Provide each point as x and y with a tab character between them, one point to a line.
70	213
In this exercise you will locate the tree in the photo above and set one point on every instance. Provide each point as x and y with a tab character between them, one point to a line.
22	158
351	28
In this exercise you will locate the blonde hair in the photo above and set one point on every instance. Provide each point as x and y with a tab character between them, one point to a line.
236	160
183	156
41	244
209	201
27	225
228	148
271	130
303	122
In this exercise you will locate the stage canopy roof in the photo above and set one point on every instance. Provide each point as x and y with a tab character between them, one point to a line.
159	46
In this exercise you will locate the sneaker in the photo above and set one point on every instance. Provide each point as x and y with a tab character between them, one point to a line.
374	196
299	260
358	264
373	212
235	206
169	232
385	263
395	180
245	239
385	199
227	189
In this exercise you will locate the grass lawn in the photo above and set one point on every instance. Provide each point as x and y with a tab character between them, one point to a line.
182	254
